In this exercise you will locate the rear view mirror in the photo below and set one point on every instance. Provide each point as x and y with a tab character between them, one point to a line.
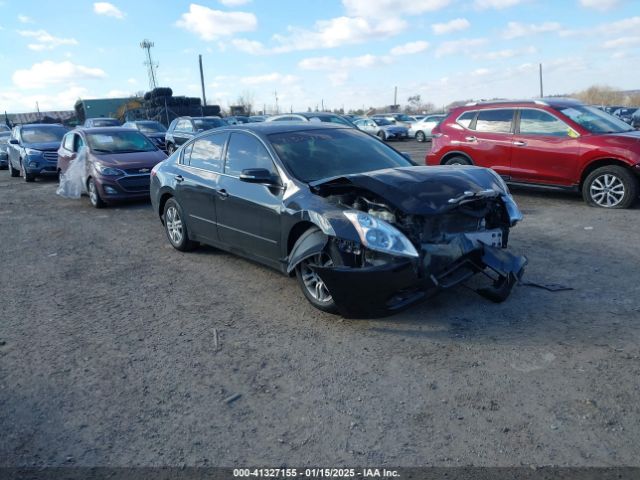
259	175
13	141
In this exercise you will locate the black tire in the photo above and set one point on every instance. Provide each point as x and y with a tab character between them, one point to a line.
94	194
12	171
381	135
420	136
28	177
171	148
610	186
458	160
306	278
178	235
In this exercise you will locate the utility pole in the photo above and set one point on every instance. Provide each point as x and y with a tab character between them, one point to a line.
395	98
204	97
322	103
275	94
541	90
151	65
37	107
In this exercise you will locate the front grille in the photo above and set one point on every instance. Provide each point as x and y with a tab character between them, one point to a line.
138	171
50	156
138	183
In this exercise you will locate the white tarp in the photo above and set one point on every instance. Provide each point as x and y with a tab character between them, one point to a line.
72	182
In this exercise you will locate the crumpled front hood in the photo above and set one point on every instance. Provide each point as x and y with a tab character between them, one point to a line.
416	190
131	160
45	147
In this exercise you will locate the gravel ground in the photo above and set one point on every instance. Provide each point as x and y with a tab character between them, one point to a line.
108	351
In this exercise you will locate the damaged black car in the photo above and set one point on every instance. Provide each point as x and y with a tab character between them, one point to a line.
364	230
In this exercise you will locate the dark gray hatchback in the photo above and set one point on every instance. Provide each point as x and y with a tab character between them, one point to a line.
365	230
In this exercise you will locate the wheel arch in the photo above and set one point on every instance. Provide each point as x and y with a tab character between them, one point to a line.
602	162
455	153
164	197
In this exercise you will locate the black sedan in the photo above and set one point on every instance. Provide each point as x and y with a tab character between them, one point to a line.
365	230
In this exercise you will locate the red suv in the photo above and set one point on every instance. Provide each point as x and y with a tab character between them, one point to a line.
551	142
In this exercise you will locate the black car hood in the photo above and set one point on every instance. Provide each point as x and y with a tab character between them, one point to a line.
48	146
415	190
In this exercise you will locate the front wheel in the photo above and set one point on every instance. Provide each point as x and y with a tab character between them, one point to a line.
382	136
420	137
94	195
610	187
12	171
175	227
28	177
313	287
171	148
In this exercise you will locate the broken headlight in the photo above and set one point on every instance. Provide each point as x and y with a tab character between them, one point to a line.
378	235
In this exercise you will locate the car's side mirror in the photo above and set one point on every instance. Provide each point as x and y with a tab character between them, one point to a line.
14	141
261	176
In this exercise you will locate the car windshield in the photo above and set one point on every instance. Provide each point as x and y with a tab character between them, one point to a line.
119	142
594	120
316	154
43	134
106	122
382	121
151	127
209	123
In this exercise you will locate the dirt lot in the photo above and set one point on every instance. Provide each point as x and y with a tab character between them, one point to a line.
107	351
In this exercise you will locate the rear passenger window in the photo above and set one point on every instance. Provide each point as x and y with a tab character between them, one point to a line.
246	152
537	122
466	118
494	121
206	153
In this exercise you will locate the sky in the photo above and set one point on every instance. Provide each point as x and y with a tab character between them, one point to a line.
312	53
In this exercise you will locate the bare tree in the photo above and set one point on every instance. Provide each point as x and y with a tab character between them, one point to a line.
246	101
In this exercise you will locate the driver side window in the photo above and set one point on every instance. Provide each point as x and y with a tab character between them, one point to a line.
245	151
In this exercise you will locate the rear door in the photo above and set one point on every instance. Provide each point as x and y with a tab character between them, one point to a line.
197	181
490	140
248	213
545	149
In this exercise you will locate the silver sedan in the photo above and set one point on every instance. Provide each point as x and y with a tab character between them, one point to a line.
421	130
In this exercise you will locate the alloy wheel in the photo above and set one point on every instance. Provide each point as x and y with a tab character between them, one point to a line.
607	190
93	192
312	281
173	224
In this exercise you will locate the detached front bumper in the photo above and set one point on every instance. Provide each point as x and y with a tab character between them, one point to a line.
385	289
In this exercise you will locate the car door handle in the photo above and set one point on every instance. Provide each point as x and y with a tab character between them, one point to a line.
520	143
222	193
471	139
179	178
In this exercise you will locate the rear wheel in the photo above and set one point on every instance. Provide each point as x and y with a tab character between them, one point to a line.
420	137
610	187
458	160
313	287
175	227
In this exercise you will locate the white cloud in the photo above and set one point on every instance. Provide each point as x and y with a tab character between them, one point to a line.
47	73
497	4
338	79
506	53
387	8
16	101
234	3
211	24
325	34
622	42
481	72
517	29
272	78
344	63
464	45
454	25
45	41
107	9
24	19
132	81
601	5
410	48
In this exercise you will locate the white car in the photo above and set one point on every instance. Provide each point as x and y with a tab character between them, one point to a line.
421	130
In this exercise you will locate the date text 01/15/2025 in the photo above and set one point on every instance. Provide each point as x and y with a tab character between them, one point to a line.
315	473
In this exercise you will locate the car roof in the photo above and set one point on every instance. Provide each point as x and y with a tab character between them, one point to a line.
548	102
268	128
105	129
43	125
